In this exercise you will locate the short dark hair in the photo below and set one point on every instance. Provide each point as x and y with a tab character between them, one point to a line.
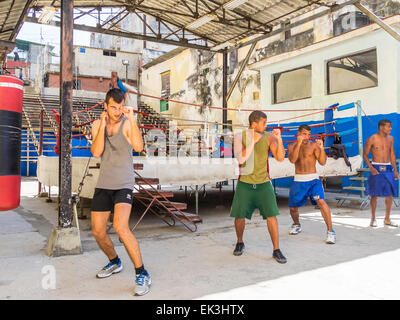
383	122
255	116
305	127
116	94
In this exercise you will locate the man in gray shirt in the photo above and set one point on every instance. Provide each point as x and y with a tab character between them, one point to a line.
114	136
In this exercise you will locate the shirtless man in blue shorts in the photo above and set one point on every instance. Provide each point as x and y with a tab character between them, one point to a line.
305	153
381	181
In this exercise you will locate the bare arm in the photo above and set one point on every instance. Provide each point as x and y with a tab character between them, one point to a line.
294	149
276	145
243	153
293	152
367	149
98	128
132	132
393	160
320	153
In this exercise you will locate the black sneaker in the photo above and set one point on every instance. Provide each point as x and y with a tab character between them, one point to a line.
238	249
278	256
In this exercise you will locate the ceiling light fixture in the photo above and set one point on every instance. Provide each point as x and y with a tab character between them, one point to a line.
201	21
47	15
232	4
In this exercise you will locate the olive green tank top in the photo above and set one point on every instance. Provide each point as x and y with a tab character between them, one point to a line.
255	169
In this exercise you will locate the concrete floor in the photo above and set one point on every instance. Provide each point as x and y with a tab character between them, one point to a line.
363	264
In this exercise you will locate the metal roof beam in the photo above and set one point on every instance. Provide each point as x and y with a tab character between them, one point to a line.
378	21
126	35
295	24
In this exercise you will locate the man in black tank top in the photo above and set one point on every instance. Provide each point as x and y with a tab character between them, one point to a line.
114	136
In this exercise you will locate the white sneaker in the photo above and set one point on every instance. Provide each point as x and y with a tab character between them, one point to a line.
373	223
331	237
295	229
143	283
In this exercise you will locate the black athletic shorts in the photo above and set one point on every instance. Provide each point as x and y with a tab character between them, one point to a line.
104	199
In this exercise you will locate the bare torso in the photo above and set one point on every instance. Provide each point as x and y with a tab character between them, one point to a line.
307	159
381	148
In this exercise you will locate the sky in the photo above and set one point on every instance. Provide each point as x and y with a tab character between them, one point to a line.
50	35
47	34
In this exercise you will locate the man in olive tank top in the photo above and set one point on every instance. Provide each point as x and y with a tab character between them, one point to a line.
254	189
114	137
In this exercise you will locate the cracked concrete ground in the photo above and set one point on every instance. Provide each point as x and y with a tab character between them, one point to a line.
363	264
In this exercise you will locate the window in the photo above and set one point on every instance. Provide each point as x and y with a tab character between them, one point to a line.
358	71
77	85
165	90
292	85
109	53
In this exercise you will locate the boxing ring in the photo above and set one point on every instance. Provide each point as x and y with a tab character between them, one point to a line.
176	172
203	169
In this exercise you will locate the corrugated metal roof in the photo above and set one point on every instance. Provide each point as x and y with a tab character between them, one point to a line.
12	13
254	17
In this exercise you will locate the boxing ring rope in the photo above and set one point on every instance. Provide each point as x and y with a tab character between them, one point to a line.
274	124
163	127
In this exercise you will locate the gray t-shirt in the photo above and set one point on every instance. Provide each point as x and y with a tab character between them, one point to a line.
116	168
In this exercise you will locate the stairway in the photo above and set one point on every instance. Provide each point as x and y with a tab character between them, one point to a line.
360	179
159	203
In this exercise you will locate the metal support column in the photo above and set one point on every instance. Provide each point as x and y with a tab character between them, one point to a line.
65	238
242	66
224	89
378	21
360	142
40	147
66	80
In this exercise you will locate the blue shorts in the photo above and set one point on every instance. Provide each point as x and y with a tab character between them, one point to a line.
301	191
382	184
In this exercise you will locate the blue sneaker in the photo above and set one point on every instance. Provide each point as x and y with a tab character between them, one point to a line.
331	237
109	269
143	283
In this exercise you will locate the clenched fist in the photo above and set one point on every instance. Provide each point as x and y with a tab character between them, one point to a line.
320	143
277	133
103	119
128	111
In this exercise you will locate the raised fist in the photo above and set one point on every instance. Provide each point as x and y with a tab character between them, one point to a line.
320	143
277	133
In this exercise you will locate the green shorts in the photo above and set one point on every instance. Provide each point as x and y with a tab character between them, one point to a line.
254	196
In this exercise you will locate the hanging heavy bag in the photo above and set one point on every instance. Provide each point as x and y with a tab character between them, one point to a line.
11	95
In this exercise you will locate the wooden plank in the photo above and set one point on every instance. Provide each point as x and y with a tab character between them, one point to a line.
147	181
189	216
175	205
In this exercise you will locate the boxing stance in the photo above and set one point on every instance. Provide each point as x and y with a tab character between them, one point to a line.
254	189
305	153
115	134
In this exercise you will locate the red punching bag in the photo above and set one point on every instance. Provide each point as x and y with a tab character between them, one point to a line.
11	95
